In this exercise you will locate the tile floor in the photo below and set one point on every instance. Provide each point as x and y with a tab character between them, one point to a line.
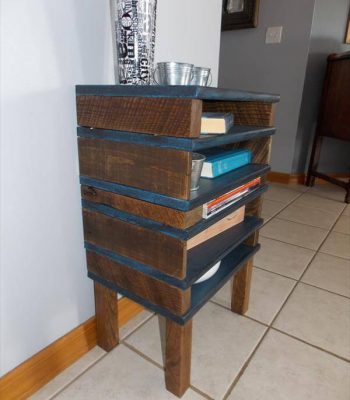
294	342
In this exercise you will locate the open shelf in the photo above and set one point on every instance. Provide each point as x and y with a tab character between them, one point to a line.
201	292
181	234
199	259
209	188
238	133
190	92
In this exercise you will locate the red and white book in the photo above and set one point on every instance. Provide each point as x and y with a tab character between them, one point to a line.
226	200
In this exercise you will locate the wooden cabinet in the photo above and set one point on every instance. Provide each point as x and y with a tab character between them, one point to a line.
135	153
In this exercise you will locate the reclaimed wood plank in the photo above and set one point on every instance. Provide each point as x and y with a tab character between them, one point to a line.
161	116
106	310
158	292
163	252
165	215
165	171
192	92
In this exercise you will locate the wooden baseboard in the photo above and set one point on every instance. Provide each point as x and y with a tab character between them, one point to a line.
38	370
282	177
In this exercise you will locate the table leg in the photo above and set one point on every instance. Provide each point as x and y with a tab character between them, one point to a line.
106	309
178	348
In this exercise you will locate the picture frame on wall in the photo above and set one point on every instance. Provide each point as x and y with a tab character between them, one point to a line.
239	14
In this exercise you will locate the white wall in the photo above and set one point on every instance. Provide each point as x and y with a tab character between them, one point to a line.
47	47
247	63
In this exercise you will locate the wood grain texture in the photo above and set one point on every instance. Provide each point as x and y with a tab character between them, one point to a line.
144	245
157	292
38	370
221	226
106	310
165	215
178	348
161	116
253	113
165	171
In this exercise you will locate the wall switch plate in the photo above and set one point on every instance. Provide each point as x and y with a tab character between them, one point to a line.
273	34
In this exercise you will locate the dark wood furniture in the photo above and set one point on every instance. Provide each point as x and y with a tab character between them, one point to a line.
334	116
135	152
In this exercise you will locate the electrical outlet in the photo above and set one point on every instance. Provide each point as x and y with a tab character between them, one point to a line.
273	34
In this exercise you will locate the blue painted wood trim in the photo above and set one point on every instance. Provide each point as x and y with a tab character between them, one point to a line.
200	258
181	234
201	292
209	188
238	133
190	92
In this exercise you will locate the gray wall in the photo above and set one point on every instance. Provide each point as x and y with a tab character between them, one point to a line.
246	62
327	36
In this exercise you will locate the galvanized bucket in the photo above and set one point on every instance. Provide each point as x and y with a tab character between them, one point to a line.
173	73
201	76
197	165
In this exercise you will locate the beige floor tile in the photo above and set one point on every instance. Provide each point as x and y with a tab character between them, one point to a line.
286	369
271	208
347	210
281	193
343	225
134	323
330	273
318	317
268	292
337	244
122	375
310	200
310	216
282	258
306	236
222	342
69	375
328	191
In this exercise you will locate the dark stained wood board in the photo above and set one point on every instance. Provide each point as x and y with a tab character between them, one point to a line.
164	171
106	310
165	215
209	188
161	116
189	92
143	245
155	291
245	113
201	292
199	260
178	351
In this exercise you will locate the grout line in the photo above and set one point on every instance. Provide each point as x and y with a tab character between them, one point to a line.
144	356
241	372
333	255
138	327
276	273
203	394
325	290
77	377
310	344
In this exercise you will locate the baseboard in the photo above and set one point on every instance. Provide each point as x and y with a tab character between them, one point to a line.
38	370
282	177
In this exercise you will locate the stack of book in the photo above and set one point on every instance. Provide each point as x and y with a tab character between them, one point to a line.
228	199
214	123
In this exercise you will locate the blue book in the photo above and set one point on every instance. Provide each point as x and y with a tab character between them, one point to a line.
219	162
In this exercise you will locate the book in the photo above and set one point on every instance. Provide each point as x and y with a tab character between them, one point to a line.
225	223
219	162
216	123
226	200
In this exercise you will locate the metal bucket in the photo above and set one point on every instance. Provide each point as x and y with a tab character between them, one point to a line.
173	73
197	165
201	76
135	29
